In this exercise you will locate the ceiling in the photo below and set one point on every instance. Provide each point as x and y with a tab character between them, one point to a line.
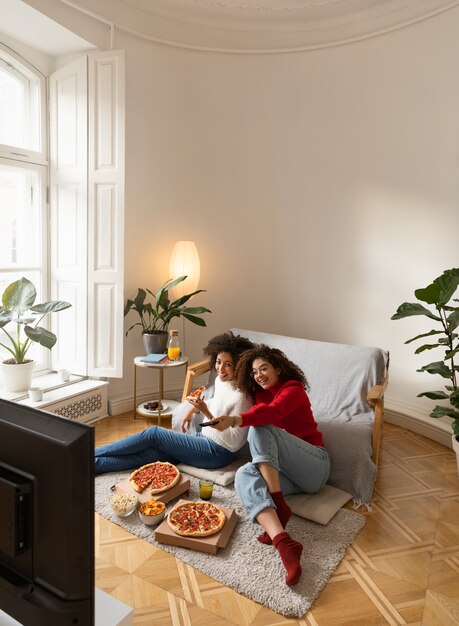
231	25
23	23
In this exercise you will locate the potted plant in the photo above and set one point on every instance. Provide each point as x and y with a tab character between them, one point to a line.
155	316
446	317
18	309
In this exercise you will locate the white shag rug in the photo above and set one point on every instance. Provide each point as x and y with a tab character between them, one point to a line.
245	565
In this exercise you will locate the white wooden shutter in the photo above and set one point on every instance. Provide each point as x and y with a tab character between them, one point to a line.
68	211
106	213
87	212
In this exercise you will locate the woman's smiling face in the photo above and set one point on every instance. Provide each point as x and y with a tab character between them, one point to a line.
264	374
224	366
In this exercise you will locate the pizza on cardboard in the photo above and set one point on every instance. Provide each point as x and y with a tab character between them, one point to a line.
198	525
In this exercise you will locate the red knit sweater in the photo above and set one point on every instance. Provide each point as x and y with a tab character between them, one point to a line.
285	405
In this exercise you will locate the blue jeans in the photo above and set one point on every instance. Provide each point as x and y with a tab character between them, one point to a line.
160	444
303	468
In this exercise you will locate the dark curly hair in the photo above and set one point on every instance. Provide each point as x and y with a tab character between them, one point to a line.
227	342
287	370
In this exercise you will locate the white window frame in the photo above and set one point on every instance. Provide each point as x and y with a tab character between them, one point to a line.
40	156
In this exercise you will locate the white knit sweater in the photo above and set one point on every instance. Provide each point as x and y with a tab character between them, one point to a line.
227	400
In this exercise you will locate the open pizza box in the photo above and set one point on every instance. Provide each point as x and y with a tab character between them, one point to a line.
164	496
211	544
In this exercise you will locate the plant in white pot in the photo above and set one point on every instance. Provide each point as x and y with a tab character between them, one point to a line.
155	316
19	321
446	318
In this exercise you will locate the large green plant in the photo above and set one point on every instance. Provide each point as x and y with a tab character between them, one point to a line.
19	310
439	294
155	316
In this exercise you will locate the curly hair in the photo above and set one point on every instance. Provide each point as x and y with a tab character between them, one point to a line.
287	370
227	342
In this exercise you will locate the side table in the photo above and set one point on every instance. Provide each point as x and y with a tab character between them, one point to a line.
170	404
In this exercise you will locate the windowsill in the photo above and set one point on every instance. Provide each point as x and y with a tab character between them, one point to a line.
54	390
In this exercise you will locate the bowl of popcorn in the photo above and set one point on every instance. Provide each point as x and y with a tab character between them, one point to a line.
151	512
123	504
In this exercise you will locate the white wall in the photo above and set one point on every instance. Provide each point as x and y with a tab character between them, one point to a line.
320	187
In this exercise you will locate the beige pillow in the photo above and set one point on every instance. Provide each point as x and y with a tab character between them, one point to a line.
223	476
318	507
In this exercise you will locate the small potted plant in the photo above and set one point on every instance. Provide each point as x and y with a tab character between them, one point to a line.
19	320
444	336
155	316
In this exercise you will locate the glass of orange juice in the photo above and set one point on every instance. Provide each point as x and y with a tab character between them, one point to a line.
206	488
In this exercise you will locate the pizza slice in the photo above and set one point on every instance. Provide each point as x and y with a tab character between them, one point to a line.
197	393
159	475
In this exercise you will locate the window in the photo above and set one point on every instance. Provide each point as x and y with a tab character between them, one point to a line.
73	248
20	105
23	182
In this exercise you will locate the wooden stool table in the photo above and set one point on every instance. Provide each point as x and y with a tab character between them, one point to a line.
169	404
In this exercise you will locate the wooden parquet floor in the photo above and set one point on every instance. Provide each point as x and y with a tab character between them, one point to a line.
403	567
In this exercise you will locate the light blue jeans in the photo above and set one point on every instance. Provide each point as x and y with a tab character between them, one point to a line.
303	468
160	444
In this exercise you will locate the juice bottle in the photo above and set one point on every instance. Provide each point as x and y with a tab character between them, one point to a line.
173	347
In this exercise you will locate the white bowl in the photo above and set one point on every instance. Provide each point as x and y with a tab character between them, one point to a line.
151	520
123	504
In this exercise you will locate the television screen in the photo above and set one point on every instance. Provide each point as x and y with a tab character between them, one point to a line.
46	518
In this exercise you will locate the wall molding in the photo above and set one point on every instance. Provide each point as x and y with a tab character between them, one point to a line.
435	430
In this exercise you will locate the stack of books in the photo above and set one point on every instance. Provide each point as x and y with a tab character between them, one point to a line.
154	358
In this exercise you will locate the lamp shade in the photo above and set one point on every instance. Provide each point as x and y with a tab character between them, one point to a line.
185	262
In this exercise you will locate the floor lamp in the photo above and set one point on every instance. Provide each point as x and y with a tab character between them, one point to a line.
184	261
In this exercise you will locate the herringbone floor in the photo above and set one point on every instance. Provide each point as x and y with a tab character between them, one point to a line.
403	567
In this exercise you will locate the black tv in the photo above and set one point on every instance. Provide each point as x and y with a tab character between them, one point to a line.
46	518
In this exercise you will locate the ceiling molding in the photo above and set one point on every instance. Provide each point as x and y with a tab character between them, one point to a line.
258	26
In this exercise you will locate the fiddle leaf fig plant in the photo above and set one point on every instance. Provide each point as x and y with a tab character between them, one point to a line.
18	309
439	294
155	316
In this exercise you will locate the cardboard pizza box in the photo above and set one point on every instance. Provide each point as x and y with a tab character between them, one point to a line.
164	496
211	545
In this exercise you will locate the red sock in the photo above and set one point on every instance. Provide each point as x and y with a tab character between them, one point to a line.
283	511
290	553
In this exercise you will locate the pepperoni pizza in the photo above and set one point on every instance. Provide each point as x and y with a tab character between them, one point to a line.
196	519
159	475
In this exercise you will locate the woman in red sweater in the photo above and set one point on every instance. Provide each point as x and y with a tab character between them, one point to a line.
288	454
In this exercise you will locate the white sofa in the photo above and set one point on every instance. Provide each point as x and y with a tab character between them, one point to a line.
347	386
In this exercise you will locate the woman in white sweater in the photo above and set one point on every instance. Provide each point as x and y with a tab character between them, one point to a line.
207	449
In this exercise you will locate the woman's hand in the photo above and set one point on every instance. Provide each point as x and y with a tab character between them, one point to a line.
186	422
199	404
224	422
